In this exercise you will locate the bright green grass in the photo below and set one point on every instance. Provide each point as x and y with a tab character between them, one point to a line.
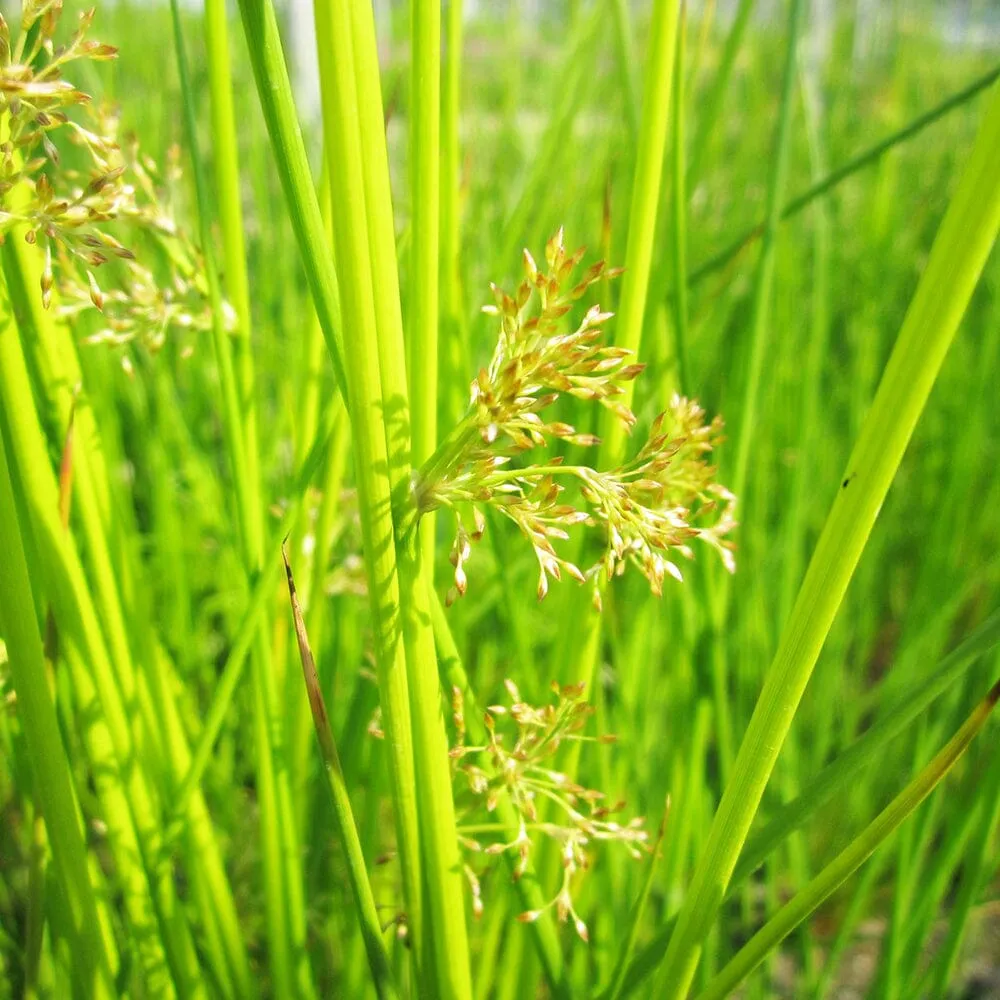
219	864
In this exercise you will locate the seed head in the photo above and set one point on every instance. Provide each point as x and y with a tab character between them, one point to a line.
517	762
646	511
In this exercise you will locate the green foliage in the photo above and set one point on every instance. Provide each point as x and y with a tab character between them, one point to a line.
280	335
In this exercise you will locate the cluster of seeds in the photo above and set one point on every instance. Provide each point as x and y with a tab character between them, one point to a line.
69	200
516	762
647	510
163	289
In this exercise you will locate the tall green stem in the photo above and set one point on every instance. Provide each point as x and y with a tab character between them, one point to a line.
53	784
454	366
227	195
341	128
645	203
425	184
444	911
679	216
274	89
283	885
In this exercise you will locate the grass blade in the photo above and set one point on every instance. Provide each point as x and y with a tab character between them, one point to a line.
836	775
838	175
851	858
364	901
959	253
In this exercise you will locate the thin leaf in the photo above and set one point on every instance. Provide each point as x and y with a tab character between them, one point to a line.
851	858
364	900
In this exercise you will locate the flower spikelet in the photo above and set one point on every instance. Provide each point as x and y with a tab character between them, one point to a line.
55	203
645	513
517	762
535	359
68	185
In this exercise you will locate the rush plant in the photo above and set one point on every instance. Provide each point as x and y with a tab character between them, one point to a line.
562	688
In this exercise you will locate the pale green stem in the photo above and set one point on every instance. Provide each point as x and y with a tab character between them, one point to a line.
425	183
275	92
338	79
446	937
227	195
455	367
645	204
679	217
53	785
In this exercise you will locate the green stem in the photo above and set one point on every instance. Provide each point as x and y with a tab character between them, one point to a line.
679	216
645	202
338	80
764	286
227	196
455	366
53	784
959	253
425	184
444	909
274	89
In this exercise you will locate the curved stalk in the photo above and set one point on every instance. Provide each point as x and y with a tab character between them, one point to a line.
963	243
850	859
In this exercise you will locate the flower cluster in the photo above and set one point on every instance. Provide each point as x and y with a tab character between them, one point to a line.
515	762
65	182
534	362
161	290
36	103
647	510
